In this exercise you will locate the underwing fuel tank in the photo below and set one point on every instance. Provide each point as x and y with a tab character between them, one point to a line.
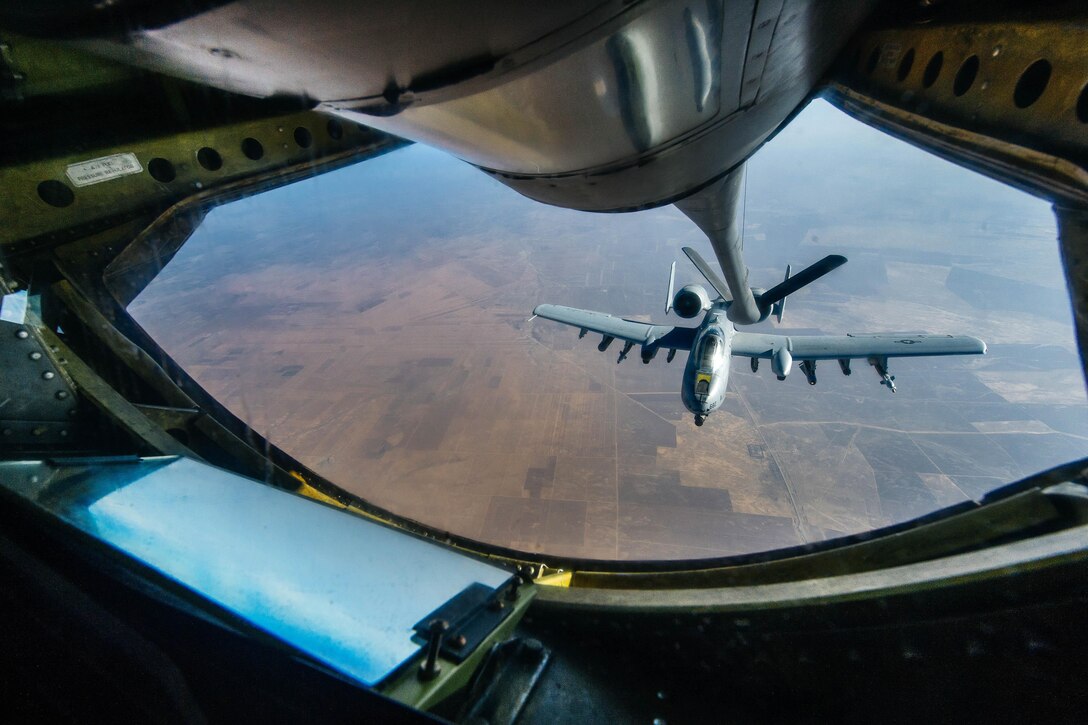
782	362
599	106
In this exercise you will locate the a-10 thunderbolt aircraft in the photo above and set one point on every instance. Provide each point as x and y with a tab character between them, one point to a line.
715	340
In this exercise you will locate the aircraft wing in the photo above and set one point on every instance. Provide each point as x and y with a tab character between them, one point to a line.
840	347
639	333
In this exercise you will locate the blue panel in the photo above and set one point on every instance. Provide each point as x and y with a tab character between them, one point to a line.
343	589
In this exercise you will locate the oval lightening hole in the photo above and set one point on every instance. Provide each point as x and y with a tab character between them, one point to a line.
905	65
252	149
1032	83
870	65
54	193
933	69
161	170
209	158
965	76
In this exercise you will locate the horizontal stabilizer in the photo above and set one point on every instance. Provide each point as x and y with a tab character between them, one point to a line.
806	276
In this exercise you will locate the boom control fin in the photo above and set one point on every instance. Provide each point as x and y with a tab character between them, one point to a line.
672	283
779	307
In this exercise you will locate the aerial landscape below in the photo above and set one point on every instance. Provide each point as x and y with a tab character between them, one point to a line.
373	323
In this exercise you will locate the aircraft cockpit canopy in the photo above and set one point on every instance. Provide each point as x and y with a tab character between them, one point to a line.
711	351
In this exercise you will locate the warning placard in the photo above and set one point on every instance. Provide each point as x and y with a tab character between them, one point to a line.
102	169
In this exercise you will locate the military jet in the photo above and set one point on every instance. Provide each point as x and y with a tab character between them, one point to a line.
716	339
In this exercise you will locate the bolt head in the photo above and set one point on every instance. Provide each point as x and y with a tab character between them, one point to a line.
48	375
62	394
22	334
35	355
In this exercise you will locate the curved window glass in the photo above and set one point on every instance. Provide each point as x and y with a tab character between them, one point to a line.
373	322
712	347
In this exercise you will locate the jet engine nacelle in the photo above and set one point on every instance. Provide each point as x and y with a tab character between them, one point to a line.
690	301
